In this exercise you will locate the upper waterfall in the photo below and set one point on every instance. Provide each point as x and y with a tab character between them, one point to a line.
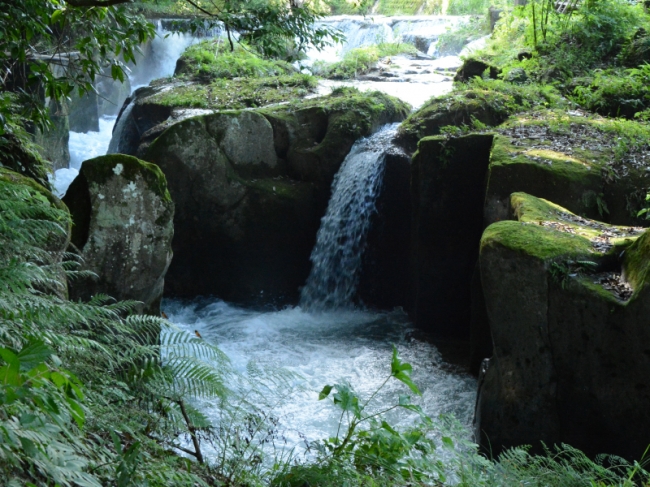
337	255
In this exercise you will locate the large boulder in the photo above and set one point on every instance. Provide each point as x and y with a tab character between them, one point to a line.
567	300
448	189
250	188
595	167
123	228
149	111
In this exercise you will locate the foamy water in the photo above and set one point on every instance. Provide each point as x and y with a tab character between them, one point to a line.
324	348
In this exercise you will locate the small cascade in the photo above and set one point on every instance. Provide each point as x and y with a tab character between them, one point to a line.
337	255
116	143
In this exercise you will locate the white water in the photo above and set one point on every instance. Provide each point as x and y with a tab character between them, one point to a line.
325	348
336	258
159	61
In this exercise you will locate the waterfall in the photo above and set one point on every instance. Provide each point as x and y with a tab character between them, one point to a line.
337	255
116	144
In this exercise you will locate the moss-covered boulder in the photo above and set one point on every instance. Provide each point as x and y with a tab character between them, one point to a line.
150	110
567	301
251	187
23	157
448	188
595	167
122	214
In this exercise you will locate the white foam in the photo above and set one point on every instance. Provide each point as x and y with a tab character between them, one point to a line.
324	348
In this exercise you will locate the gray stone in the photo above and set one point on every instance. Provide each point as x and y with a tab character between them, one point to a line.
122	214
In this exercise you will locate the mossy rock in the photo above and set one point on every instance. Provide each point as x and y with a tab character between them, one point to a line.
474	107
315	135
250	188
595	167
24	158
569	331
475	67
123	227
242	233
458	109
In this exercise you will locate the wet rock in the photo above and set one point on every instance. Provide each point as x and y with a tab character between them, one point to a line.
123	228
448	186
570	355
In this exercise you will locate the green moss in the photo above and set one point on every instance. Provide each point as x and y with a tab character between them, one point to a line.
100	169
541	242
357	111
239	93
41	193
474	105
636	262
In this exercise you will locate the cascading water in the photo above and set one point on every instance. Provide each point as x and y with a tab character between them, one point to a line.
336	258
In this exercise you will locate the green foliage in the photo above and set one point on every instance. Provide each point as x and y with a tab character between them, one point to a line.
276	29
616	93
212	59
71	373
358	7
361	60
33	33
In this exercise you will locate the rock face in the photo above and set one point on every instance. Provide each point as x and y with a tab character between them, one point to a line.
122	214
574	161
567	301
448	186
250	189
54	141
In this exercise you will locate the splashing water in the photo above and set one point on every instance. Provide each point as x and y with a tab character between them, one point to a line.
352	346
336	258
